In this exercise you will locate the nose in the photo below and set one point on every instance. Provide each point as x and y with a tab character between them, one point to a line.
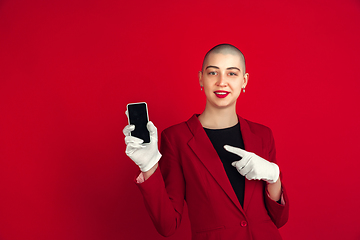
221	81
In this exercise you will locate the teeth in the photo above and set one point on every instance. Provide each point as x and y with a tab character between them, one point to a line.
220	93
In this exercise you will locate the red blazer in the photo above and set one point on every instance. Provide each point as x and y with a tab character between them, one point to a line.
191	171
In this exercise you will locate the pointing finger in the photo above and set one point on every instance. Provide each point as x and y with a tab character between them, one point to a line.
238	151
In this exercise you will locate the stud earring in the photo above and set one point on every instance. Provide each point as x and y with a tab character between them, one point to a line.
243	89
201	88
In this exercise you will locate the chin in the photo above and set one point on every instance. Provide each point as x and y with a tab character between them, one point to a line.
223	105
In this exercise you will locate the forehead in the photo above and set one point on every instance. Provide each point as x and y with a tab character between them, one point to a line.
223	60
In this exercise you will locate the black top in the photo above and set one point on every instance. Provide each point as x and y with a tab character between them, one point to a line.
229	136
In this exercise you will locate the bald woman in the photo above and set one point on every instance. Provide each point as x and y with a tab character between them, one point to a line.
223	166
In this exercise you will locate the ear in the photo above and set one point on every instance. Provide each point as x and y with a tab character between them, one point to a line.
246	80
200	79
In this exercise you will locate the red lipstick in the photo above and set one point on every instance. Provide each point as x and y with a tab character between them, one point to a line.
221	93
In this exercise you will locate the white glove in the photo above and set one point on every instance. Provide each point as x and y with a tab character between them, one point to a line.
253	167
145	155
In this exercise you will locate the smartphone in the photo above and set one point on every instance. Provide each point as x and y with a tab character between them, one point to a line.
138	116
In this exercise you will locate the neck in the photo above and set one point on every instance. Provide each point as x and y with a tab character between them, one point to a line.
215	118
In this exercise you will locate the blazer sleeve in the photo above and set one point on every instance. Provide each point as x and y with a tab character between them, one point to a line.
164	191
279	213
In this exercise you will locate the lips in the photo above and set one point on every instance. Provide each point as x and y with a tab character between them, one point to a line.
221	93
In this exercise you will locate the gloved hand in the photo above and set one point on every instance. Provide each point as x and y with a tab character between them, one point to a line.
253	167
145	155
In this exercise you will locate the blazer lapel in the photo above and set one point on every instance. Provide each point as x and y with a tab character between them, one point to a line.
204	150
253	144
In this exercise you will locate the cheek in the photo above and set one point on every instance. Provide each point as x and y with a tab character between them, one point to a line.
237	93
208	83
236	86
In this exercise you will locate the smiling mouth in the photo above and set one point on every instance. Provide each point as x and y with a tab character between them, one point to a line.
221	94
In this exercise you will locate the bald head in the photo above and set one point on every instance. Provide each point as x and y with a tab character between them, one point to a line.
226	49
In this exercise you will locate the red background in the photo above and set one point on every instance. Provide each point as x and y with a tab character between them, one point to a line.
68	69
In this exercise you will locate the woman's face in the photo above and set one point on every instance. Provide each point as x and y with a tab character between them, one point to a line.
222	79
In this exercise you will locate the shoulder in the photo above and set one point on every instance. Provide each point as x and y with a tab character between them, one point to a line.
179	127
186	127
175	137
179	130
261	132
257	128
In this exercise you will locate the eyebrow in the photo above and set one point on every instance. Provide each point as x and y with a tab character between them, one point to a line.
229	68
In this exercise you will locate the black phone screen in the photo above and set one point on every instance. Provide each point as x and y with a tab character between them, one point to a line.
138	116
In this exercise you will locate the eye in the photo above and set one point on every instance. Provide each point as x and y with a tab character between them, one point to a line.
232	74
212	73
